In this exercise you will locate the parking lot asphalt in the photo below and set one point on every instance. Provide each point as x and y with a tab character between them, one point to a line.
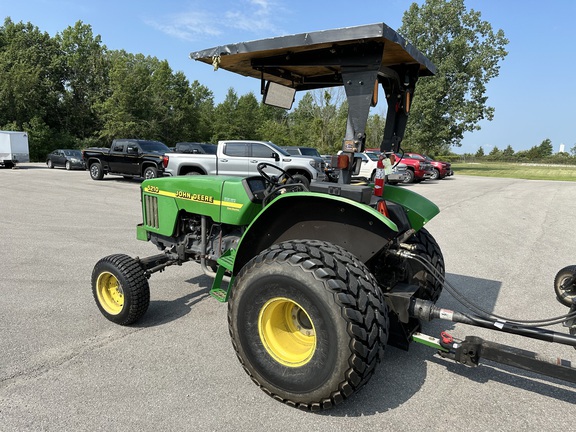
64	367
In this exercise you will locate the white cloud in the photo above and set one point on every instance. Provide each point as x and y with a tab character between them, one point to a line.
187	26
253	16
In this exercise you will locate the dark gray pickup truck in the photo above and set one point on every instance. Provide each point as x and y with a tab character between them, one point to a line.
126	157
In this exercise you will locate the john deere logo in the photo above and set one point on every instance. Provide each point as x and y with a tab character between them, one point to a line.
195	197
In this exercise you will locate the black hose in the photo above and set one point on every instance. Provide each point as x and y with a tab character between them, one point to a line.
477	309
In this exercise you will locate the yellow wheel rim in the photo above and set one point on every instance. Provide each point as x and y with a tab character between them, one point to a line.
287	332
110	294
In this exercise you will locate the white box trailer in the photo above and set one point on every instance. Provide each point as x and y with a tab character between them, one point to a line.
13	148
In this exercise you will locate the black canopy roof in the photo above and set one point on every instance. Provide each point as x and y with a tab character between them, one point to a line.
314	60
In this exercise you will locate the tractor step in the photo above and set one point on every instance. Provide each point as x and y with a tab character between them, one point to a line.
221	288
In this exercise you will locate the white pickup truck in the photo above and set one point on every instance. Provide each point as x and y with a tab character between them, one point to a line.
241	158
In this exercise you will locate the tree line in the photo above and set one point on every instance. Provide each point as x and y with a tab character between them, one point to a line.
544	152
71	91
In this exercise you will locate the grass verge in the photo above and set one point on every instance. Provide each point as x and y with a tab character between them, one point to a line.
517	170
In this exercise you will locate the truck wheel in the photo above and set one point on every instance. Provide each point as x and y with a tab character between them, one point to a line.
120	289
435	174
409	176
301	178
50	164
96	171
567	293
150	173
427	249
308	323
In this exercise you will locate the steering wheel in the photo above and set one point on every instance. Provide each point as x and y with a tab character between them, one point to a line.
280	184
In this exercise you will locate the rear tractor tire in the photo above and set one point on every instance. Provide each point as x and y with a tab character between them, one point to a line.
565	292
308	323
120	289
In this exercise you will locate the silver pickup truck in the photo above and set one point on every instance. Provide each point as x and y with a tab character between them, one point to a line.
240	158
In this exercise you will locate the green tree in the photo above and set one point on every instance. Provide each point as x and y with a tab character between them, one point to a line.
495	153
247	116
508	152
85	79
224	126
545	148
199	126
466	52
301	120
375	130
480	152
31	84
146	99
274	125
540	151
573	150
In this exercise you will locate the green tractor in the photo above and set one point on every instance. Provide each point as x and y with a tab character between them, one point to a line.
319	278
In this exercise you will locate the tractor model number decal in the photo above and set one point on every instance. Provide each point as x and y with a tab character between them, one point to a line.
152	189
206	199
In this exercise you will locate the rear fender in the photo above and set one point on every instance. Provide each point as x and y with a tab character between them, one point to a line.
418	209
356	227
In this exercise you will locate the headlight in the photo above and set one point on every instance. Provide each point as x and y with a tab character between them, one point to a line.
313	163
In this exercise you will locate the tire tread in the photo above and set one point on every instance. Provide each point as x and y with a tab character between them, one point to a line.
355	291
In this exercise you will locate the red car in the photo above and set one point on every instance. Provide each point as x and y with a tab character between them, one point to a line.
440	169
418	168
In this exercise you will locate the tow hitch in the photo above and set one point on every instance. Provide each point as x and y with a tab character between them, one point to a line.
470	350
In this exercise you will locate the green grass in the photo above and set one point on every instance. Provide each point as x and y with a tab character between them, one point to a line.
517	170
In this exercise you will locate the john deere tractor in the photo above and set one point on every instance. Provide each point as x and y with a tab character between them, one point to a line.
319	278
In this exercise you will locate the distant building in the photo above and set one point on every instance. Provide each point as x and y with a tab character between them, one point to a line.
561	149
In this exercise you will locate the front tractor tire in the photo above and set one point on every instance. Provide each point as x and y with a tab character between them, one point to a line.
120	289
308	323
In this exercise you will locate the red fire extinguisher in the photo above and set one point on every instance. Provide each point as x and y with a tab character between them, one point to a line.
379	177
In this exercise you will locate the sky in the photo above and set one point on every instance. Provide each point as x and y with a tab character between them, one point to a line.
534	96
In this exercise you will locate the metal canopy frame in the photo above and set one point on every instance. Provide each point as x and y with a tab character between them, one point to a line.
357	58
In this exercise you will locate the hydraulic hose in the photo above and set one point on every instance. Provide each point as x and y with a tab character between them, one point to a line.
468	304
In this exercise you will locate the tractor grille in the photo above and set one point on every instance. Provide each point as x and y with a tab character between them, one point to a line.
151	205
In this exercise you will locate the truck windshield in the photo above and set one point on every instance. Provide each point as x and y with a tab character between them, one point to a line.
309	151
154	147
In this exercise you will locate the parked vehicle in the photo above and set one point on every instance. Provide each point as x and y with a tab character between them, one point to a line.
369	163
439	169
67	158
302	151
128	158
13	148
417	169
195	148
331	174
398	174
241	158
